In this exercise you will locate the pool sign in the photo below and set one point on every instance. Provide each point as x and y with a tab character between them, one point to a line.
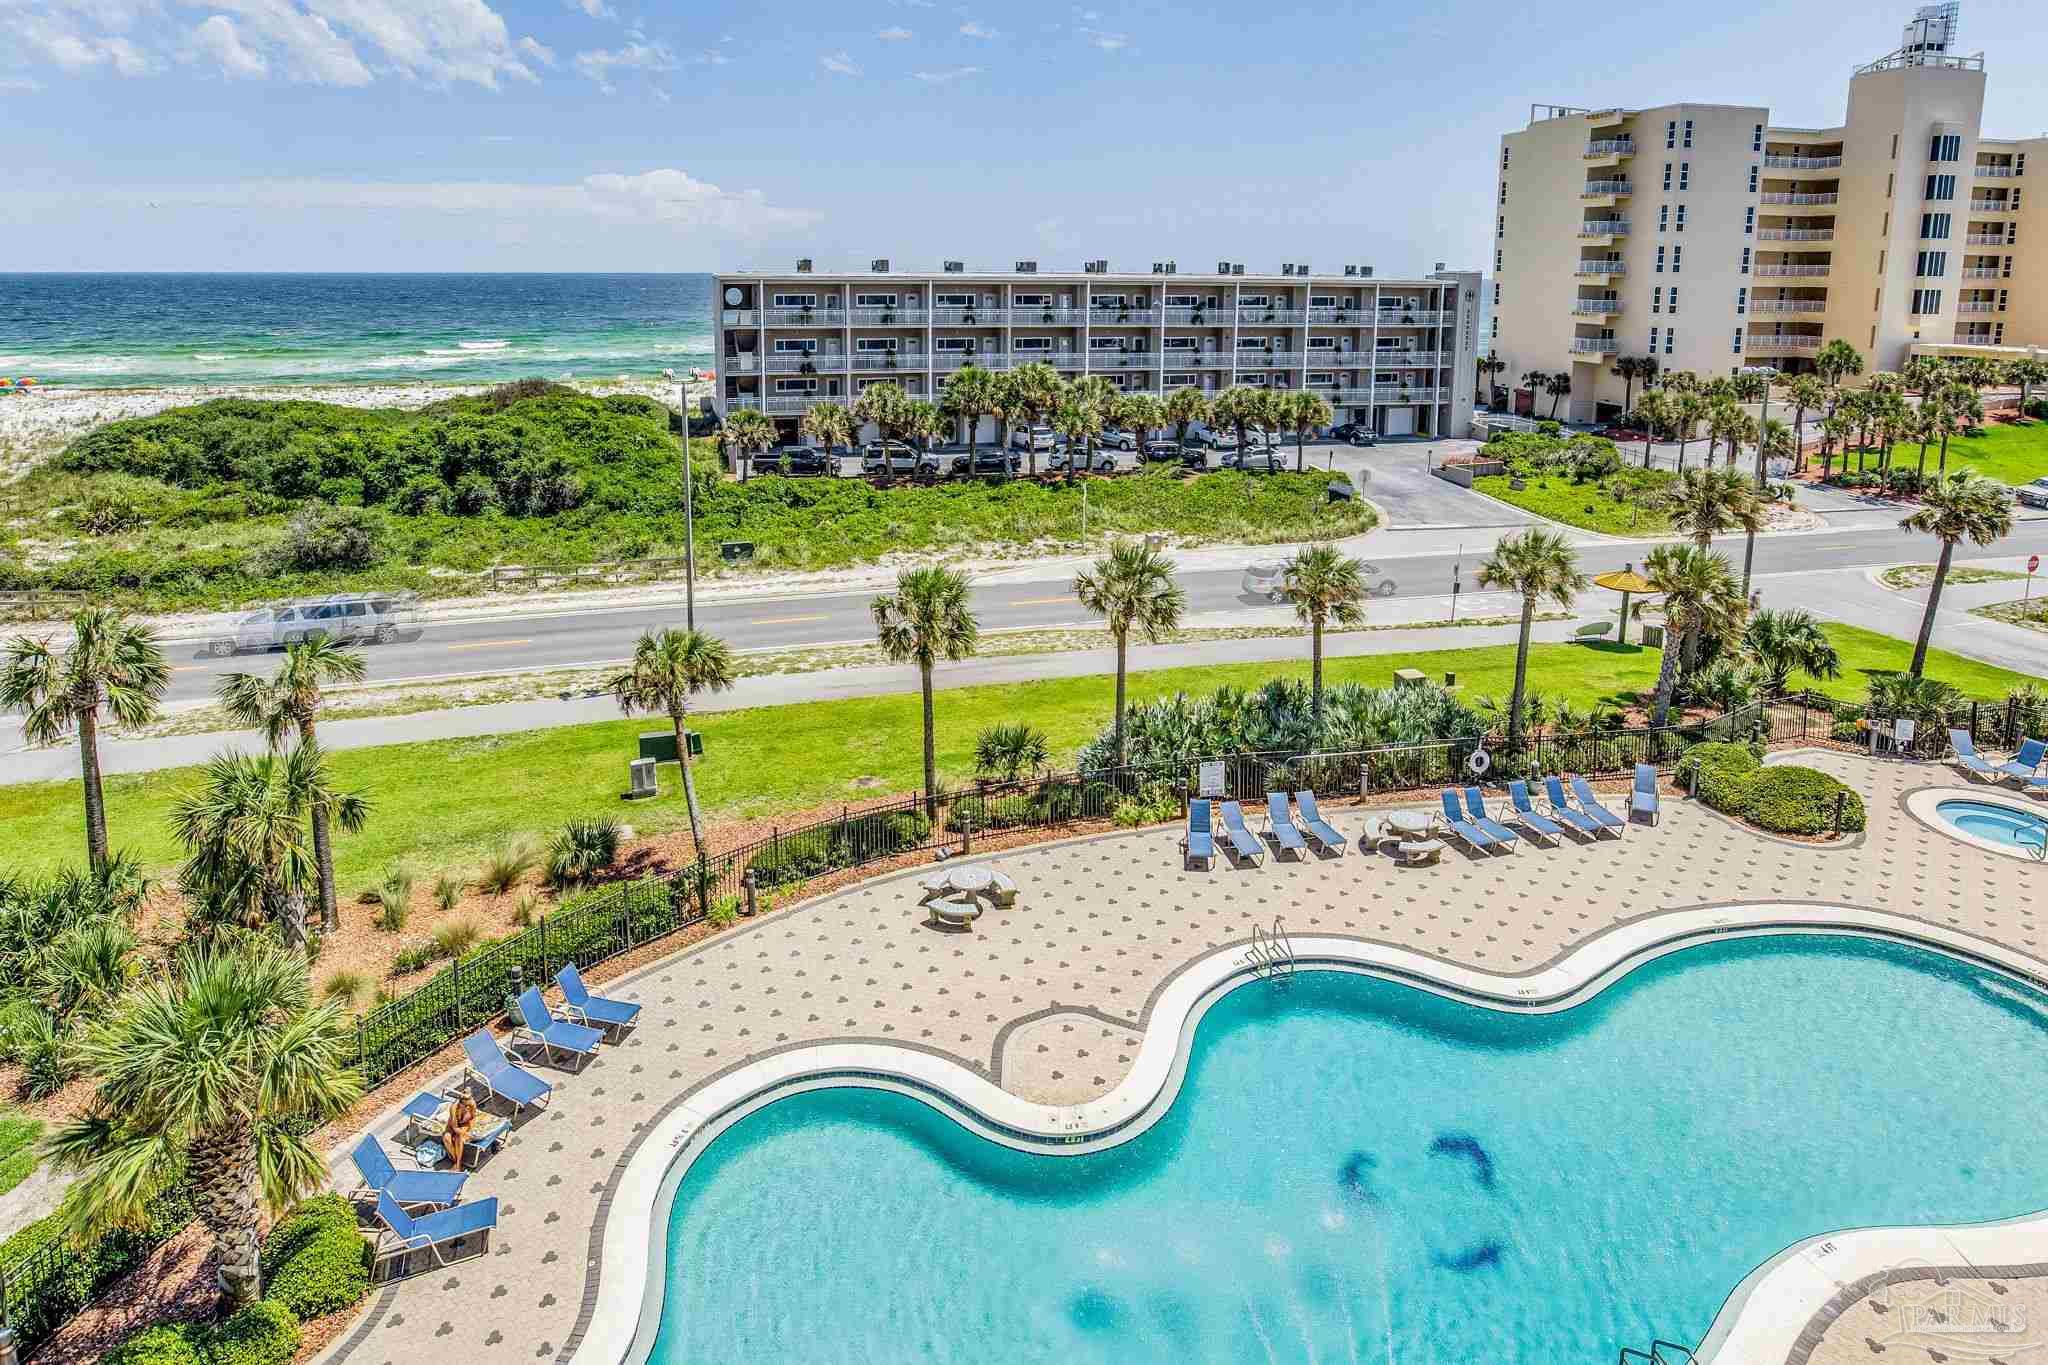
1210	777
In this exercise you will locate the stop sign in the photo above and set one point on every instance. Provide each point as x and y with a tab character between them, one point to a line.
2033	563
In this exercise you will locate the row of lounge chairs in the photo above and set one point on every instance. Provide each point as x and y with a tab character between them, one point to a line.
1198	844
2023	767
401	1194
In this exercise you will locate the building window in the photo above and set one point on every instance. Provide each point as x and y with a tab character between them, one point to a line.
1941	187
1674	300
1657	301
1496	324
2002	296
1677	259
1736	346
1500	229
1496	293
1653	341
1749	220
1681	218
2005	270
1756	138
1945	147
1934	227
1670	339
1663	217
1503	191
1926	300
2019	163
1745	260
1667	177
1688	132
1660	260
1504	153
1496	260
1741	301
1752	179
1932	263
1671	134
1685	174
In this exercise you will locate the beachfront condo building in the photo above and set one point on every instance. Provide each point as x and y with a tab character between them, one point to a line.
1396	354
1709	238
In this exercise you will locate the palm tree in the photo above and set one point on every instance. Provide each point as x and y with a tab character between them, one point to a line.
883	405
1079	419
1955	507
1141	414
287	704
1834	429
1559	387
1534	381
669	667
111	664
828	425
746	433
1325	585
1959	404
1789	641
926	619
1654	412
1486	367
1704	503
922	423
208	1073
1805	393
2027	373
1036	391
971	394
1629	368
1184	407
1305	411
1836	361
1009	749
1700	599
1237	407
244	830
1131	588
1686	411
1536	564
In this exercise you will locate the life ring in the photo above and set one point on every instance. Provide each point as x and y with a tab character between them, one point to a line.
1479	763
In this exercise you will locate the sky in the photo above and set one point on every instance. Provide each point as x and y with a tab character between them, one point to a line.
614	135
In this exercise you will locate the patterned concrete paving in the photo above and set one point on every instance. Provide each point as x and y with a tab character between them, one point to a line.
1960	1313
1048	999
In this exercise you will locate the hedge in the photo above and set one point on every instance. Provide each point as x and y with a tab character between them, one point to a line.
264	1333
158	1346
317	1261
48	1281
1783	799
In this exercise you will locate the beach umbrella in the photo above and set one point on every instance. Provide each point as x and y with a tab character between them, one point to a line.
25	382
1625	581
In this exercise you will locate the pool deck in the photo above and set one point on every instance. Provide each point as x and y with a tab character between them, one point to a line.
1054	1016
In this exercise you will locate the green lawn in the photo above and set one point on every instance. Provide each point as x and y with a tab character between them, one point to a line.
18	1155
1587	505
2010	452
438	804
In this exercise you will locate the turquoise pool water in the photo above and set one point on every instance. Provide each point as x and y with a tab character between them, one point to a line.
2000	824
1359	1171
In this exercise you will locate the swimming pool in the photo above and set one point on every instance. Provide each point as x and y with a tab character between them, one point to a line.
1358	1170
2006	826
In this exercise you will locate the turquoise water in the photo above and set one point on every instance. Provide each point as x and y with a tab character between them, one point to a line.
2000	824
118	331
1358	1171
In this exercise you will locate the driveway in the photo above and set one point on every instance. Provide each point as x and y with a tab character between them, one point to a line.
1399	481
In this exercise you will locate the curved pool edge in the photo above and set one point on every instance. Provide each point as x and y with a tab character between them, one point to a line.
1756	1322
1923	805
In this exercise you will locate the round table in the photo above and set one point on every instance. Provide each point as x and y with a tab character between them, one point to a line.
1409	824
973	880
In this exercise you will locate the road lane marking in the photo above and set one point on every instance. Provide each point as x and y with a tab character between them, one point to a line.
786	620
1040	601
189	668
489	644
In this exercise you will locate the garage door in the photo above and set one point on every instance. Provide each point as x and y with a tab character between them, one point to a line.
1399	422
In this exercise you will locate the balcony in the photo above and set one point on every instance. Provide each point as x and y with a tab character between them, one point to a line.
1597	189
1799	197
1414	360
1594	347
1389	318
1802	163
1983	272
1123	360
1795	271
1604	227
1826	234
913	361
1993	206
739	317
1270	360
970	317
1611	146
805	317
1965	336
1989	239
1596	308
1977	306
890	317
1045	317
1985	172
781	406
1788	305
1395	393
1601	268
800	364
1066	360
1755	344
1339	317
1276	317
1123	317
943	361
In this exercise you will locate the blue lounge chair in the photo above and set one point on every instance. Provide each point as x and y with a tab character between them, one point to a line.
579	1040
2024	764
1280	824
583	1007
1199	843
502	1076
1475	807
1454	816
1315	826
1561	807
1967	758
432	1231
1642	799
1528	817
1589	802
406	1187
1240	838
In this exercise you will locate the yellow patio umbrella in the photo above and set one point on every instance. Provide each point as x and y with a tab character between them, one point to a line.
1624	580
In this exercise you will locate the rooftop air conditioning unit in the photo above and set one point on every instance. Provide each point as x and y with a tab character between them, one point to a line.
955	267
1301	267
1350	271
1159	267
1098	267
803	265
1171	268
1287	269
1027	267
1365	271
1439	265
880	265
1237	268
1223	267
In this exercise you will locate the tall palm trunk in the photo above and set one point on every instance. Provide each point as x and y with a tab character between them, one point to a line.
1923	456
679	716
1667	677
1944	454
1315	677
95	797
223	1169
1948	548
931	760
1683	439
1648	436
323	848
1521	671
1122	639
1300	450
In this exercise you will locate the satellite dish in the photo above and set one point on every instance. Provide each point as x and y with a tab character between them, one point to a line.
733	297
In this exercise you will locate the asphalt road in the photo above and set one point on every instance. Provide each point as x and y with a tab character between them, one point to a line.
553	638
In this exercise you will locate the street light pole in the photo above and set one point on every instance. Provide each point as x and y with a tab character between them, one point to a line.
1763	422
689	507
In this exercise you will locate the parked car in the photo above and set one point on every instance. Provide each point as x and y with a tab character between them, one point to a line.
1213	440
1357	433
986	460
1193	456
795	461
2029	495
1041	439
1095	462
1159	452
894	456
1116	438
346	618
1267	581
1257	460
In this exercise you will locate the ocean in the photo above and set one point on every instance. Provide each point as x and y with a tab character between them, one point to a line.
149	331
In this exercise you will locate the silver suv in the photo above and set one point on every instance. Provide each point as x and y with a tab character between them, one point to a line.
346	618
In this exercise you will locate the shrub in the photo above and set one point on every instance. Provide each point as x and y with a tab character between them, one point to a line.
447	891
524	908
1549	428
1795	800
264	1333
794	859
345	986
394	900
456	937
177	1345
507	864
109	513
408	960
323	536
316	1261
723	911
1155	805
583	849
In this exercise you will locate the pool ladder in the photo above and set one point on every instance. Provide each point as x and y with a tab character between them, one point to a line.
1272	953
1655	1355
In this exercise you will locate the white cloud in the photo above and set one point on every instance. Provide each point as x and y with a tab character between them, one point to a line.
974	28
537	50
894	34
1108	42
299	45
711	56
596	9
839	63
438	41
216	41
954	73
19	85
600	64
56	36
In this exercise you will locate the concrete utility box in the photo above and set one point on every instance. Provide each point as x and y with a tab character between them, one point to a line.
1653	637
641	780
660	745
1409	677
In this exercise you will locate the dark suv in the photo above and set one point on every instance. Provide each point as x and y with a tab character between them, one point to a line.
795	461
986	460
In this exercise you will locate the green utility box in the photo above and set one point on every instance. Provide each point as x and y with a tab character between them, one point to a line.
660	745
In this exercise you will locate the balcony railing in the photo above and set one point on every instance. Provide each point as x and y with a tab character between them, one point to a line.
1123	360
1977	306
1796	234
1601	268
1989	239
1992	206
1799	197
1596	188
1793	270
890	317
1788	305
1995	172
806	317
1390	318
739	317
970	317
1604	227
813	363
1595	345
888	360
1046	317
1596	307
1966	337
1277	317
1394	393
783	405
1123	317
1802	163
1340	317
1766	345
1270	360
1200	317
1067	360
1984	272
960	360
1611	146
1382	359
